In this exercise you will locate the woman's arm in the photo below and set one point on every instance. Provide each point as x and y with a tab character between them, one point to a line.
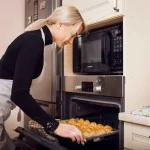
24	71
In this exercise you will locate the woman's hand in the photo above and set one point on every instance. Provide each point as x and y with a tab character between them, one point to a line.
70	131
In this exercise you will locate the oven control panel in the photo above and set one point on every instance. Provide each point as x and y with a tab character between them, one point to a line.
88	87
78	87
97	88
98	85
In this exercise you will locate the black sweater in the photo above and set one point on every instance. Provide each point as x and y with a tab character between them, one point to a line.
22	62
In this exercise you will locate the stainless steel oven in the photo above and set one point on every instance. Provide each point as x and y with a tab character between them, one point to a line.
98	99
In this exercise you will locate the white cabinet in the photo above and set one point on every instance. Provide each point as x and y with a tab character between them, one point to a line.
96	11
141	137
137	137
136	131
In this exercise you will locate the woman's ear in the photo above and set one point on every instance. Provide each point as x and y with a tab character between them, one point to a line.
58	25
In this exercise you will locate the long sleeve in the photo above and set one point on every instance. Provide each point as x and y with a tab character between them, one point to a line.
28	57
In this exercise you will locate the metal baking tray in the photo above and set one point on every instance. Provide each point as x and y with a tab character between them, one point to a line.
93	137
100	136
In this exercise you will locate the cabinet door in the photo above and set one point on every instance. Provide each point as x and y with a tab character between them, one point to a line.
141	142
140	137
98	10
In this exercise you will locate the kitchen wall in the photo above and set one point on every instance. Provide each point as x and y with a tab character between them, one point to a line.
136	61
136	54
11	25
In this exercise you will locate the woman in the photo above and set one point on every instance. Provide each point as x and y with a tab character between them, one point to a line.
23	61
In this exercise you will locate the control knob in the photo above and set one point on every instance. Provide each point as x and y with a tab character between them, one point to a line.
78	87
97	88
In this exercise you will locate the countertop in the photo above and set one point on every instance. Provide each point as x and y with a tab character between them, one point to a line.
128	117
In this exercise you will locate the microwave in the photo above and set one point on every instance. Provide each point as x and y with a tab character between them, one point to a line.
100	51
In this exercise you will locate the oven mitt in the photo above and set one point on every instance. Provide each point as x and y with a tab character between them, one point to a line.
34	125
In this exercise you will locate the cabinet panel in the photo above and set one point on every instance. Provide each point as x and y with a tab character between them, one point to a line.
141	142
128	135
141	130
99	11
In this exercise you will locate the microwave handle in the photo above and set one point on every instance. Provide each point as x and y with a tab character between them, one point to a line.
104	55
105	49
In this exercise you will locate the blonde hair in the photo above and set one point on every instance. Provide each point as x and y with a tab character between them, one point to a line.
63	14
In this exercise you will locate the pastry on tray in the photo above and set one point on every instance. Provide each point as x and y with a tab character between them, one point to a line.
88	128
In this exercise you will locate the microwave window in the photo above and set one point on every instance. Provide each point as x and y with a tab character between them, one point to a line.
91	51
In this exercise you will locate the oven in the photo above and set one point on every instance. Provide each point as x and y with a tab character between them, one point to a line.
98	99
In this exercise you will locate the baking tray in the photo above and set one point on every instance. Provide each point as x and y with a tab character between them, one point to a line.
102	136
99	136
91	137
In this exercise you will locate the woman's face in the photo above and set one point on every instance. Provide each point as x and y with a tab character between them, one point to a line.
64	35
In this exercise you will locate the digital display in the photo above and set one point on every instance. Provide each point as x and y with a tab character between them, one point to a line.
87	86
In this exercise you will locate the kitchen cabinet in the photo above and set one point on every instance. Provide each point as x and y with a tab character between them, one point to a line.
141	137
136	131
98	10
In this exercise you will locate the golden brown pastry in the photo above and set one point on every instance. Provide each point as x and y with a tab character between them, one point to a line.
100	126
72	121
77	124
102	130
88	128
108	128
63	121
93	124
86	122
81	120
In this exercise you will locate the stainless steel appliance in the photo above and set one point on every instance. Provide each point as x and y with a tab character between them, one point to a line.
99	52
104	85
98	98
46	88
